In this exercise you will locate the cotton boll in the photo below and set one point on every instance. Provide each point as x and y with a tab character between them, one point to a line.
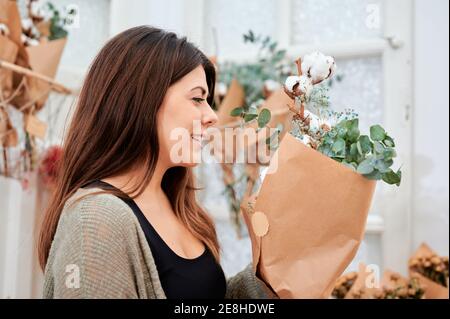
33	42
308	61
319	70
37	10
286	69
290	82
305	85
318	66
27	41
27	24
299	85
332	66
271	85
4	30
221	89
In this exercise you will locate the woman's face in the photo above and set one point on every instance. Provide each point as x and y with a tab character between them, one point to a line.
183	118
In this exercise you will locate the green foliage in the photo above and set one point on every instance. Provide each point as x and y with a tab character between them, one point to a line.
270	65
370	156
59	22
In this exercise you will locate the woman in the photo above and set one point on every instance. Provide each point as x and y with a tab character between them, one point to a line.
123	221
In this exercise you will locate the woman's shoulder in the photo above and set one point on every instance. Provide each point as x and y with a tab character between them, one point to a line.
93	207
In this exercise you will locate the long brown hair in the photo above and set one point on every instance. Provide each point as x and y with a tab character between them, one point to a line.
114	126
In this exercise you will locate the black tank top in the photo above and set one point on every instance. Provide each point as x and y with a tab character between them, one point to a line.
181	278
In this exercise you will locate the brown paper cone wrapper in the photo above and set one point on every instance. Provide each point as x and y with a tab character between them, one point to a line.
316	210
9	15
8	134
235	97
360	286
44	59
8	53
433	290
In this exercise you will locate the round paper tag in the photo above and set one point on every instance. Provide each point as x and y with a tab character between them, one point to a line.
260	224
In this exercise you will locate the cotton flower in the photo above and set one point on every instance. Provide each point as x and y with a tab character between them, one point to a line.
27	41
4	30
27	24
298	85
221	89
271	85
37	10
318	67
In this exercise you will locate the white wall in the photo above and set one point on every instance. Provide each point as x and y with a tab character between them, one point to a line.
431	128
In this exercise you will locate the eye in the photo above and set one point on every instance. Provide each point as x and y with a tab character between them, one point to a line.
198	100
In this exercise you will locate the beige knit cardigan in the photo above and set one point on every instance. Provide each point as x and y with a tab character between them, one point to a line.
100	251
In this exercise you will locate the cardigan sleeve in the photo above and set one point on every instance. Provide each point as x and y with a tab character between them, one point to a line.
246	285
90	257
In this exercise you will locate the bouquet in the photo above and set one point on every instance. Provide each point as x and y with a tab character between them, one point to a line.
35	42
431	271
354	285
308	218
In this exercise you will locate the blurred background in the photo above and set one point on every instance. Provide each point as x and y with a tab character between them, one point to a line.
392	58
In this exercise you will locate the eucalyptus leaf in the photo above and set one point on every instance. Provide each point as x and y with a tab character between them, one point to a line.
375	175
352	166
365	167
264	118
378	147
237	111
365	144
389	153
391	177
377	133
388	141
249	117
339	145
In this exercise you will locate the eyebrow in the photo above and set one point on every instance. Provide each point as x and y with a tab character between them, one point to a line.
204	91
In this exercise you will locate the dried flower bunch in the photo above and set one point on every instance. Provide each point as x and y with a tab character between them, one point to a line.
410	290
431	266
343	285
44	21
336	134
398	288
49	165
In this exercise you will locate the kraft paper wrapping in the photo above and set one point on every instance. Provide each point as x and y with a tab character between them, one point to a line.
44	59
235	97
8	53
433	290
10	15
316	211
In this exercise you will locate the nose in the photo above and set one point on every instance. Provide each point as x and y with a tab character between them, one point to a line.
209	117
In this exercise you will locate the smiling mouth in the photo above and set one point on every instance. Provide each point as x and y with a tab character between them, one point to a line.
197	138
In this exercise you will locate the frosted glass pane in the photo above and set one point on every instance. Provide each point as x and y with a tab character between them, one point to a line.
359	89
233	18
335	20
